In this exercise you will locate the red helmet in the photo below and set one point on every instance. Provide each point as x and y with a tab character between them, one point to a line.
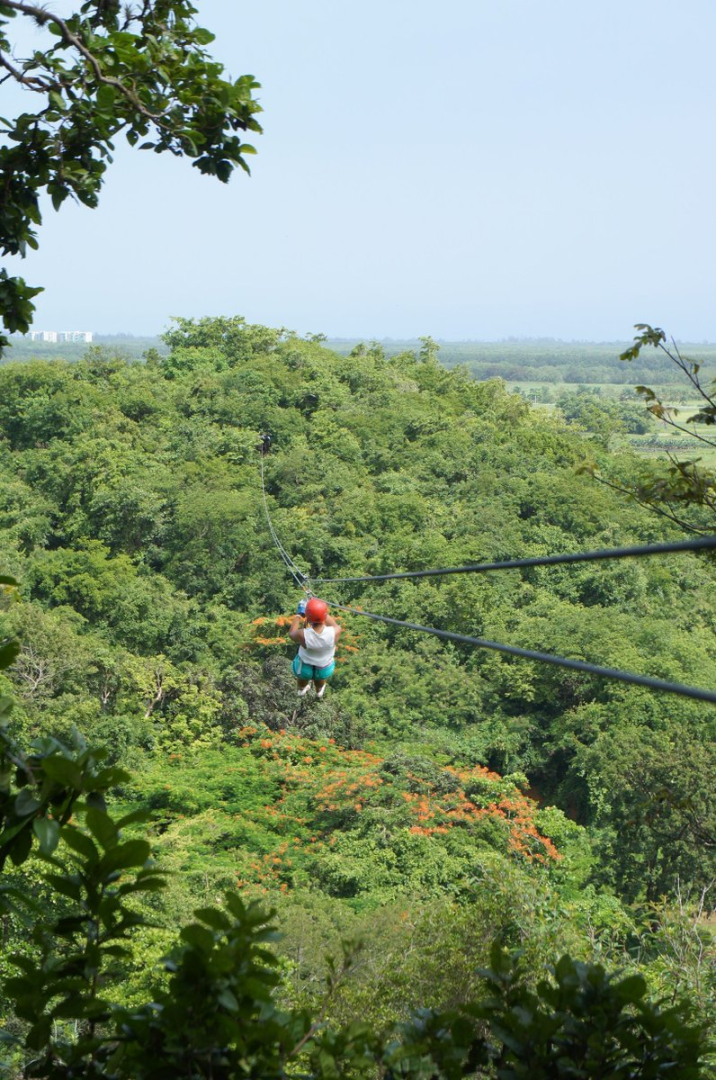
316	610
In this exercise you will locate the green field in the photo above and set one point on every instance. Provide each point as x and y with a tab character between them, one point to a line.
660	439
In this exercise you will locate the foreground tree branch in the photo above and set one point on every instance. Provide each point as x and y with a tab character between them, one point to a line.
42	16
143	71
684	487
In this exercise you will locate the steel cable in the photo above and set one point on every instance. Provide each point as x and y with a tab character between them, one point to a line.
298	576
545	658
648	681
699	544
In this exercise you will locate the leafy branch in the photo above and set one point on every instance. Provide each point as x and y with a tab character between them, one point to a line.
656	338
43	16
142	71
684	484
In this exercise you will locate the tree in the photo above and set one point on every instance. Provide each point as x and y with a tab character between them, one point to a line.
684	492
662	784
140	70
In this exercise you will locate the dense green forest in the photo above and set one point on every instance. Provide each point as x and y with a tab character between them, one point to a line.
440	797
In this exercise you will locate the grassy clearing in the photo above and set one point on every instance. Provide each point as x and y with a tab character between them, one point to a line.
660	440
665	440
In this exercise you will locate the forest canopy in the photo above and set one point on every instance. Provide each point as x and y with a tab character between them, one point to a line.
439	797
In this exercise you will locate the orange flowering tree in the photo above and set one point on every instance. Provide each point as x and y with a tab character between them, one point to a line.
280	811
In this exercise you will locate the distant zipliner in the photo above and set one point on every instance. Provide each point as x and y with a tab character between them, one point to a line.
314	662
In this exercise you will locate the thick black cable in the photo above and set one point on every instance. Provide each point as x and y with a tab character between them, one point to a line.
545	658
647	681
300	578
698	544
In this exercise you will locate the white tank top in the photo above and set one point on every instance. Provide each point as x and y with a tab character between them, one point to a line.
319	648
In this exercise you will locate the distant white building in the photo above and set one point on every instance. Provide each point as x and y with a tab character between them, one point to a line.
66	336
75	335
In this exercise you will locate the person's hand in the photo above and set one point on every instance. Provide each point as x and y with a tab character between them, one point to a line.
301	609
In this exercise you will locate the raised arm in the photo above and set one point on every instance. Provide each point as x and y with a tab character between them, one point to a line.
330	621
295	632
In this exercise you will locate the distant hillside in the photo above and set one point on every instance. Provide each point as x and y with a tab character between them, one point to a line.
126	345
539	360
548	360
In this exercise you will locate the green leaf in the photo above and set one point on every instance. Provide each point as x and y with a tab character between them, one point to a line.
102	827
148	884
236	906
18	985
9	650
117	950
106	778
214	918
21	847
24	963
63	770
65	885
132	818
47	832
70	925
132	853
564	969
106	96
198	937
631	989
462	1031
80	843
96	801
26	804
228	1000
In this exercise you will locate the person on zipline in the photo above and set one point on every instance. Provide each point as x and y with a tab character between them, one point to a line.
316	642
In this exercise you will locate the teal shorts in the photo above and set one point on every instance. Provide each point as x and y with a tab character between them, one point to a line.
308	671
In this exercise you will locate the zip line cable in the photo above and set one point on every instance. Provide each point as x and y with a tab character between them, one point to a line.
281	550
544	658
539	560
293	570
648	681
300	578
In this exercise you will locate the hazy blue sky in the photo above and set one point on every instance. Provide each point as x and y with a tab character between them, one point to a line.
474	169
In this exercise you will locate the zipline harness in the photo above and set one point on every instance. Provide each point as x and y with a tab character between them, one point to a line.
699	544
